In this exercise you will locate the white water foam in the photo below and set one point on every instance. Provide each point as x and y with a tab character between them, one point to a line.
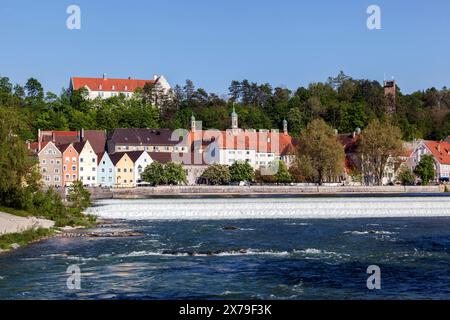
269	208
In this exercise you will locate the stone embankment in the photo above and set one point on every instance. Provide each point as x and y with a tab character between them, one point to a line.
144	192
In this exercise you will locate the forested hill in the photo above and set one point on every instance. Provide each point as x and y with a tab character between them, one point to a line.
344	103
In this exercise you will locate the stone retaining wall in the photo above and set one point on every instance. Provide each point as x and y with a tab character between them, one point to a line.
143	192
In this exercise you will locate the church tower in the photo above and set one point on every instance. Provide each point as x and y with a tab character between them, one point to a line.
192	123
234	120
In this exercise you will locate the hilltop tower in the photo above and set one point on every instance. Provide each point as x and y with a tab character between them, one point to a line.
390	91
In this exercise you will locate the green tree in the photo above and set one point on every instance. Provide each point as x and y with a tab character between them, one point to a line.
405	176
425	169
241	171
378	143
15	164
174	174
302	170
79	196
319	143
283	175
154	174
217	174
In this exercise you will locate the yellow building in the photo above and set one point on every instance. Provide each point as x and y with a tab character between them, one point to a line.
124	170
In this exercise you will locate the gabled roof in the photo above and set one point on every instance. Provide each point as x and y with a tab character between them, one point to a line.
46	144
131	136
107	84
134	155
63	147
115	157
97	139
79	146
440	150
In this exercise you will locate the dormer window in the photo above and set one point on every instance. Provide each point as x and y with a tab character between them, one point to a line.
100	87
126	88
113	87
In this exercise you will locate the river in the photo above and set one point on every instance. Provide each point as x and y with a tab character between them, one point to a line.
264	248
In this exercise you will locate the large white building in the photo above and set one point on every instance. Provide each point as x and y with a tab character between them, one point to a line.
258	148
105	87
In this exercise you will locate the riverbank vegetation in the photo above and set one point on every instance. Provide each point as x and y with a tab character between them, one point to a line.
12	240
20	179
169	174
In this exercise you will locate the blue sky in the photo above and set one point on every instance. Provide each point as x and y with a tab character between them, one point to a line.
286	42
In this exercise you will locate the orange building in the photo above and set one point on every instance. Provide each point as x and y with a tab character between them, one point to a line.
70	164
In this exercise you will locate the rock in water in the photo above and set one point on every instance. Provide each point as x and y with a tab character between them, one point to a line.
230	228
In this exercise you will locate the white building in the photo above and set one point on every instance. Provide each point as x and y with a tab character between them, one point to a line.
105	87
87	163
141	160
440	150
258	148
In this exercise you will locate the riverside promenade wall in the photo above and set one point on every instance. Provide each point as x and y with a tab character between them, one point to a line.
144	192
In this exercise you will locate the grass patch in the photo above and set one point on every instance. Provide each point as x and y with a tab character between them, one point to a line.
15	212
23	238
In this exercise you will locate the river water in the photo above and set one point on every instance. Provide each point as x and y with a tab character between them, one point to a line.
265	248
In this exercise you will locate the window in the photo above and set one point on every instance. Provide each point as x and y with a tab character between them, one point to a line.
74	159
57	178
44	170
64	168
58	162
103	170
93	160
81	168
67	177
81	160
74	177
110	170
93	169
56	170
103	179
131	169
74	168
118	169
44	161
67	159
47	178
125	170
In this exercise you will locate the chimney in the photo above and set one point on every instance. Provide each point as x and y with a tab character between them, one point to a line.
53	136
81	135
439	147
105	76
129	78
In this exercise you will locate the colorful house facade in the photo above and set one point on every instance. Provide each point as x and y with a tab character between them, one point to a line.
69	164
106	172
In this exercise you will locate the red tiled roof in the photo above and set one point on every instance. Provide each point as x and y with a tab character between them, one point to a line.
440	150
97	139
248	140
101	84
